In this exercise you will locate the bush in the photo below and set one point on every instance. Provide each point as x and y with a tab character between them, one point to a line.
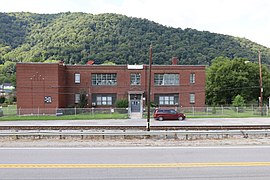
2	99
239	103
121	103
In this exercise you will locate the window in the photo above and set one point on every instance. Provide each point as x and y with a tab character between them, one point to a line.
192	98
166	79
104	100
192	78
77	98
104	79
135	79
77	78
170	99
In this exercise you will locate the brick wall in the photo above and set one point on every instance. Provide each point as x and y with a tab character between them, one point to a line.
36	80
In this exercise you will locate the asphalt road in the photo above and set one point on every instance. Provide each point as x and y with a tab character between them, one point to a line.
142	122
246	162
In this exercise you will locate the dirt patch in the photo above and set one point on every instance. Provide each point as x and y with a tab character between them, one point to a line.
76	142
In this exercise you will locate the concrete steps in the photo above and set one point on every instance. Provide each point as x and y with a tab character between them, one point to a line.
135	115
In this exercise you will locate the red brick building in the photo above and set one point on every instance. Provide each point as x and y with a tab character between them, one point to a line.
56	85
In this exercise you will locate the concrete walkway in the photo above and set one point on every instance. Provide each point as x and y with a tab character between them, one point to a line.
142	122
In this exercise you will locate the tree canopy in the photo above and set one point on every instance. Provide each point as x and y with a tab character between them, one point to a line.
227	78
78	37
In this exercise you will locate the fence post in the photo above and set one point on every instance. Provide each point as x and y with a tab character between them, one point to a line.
75	111
92	111
222	110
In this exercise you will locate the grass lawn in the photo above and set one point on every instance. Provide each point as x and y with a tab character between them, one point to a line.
67	117
10	114
226	113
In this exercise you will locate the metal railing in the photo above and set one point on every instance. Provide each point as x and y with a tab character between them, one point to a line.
163	134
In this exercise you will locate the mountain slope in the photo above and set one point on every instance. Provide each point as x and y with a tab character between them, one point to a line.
78	37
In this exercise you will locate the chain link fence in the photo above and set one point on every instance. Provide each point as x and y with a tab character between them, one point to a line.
252	111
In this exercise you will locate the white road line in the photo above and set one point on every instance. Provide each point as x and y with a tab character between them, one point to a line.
123	148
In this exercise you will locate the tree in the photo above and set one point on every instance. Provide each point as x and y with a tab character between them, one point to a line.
227	78
78	37
9	68
238	101
83	100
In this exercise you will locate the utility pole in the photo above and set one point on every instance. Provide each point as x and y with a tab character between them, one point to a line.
261	87
149	89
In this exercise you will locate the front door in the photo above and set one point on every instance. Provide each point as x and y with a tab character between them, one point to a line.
135	105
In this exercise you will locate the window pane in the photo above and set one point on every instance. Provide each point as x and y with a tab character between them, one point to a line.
109	102
104	79
77	98
166	79
167	100
135	79
77	78
192	98
192	78
104	99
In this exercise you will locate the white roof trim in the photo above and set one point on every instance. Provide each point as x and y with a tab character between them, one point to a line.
135	66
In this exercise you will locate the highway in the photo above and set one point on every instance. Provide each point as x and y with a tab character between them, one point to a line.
225	162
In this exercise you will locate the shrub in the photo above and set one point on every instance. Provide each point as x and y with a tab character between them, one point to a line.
121	103
238	101
2	99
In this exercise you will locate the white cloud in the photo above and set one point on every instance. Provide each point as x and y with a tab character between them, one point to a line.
249	18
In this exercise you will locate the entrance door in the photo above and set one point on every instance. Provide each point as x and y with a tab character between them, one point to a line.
135	105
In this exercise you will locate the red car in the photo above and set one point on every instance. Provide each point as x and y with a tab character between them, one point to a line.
170	114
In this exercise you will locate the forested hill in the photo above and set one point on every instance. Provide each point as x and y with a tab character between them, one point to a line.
79	37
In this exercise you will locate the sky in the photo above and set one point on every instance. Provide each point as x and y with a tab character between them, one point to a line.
241	18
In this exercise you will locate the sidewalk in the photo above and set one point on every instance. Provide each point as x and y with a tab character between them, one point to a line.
142	122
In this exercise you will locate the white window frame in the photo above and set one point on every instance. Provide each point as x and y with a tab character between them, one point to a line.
166	79
104	79
77	78
166	100
192	98
135	79
102	100
192	78
77	98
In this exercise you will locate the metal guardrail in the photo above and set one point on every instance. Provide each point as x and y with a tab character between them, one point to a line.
245	133
136	127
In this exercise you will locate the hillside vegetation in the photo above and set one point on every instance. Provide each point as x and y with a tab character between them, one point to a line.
79	37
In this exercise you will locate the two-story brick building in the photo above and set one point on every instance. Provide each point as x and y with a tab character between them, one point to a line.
56	85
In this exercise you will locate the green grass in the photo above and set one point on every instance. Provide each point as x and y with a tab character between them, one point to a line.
226	113
67	117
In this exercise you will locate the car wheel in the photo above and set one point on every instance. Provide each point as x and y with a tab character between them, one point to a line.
180	118
160	118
